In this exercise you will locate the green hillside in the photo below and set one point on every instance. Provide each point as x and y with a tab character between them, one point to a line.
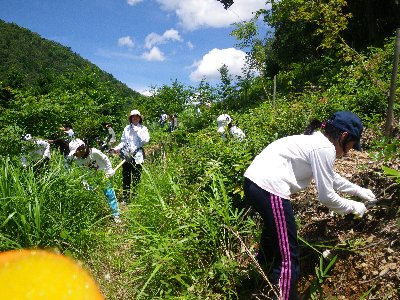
28	60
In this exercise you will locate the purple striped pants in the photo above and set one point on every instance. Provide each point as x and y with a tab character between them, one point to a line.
278	242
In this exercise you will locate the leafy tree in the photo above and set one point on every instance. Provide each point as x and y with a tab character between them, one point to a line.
372	21
226	3
225	88
171	99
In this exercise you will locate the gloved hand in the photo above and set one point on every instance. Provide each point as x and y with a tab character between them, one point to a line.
358	208
135	128
367	195
110	173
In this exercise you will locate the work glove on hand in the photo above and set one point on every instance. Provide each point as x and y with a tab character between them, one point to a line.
135	128
358	208
110	173
366	195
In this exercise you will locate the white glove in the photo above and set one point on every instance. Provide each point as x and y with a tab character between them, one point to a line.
135	128
358	208
367	195
110	173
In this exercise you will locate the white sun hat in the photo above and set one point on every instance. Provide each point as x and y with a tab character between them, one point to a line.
135	112
74	145
222	121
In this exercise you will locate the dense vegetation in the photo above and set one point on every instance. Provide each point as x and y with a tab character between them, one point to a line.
188	233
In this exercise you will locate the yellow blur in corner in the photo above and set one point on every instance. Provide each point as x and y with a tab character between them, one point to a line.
39	274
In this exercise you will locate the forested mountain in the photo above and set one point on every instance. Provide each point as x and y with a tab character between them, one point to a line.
28	60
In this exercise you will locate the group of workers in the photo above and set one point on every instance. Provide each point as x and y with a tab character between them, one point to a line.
172	121
134	137
283	168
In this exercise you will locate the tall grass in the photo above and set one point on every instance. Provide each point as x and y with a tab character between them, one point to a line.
48	209
180	237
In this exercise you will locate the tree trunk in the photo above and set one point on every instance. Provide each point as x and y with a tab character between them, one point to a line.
392	95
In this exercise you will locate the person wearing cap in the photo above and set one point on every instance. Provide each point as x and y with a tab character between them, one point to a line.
287	166
93	158
134	137
38	152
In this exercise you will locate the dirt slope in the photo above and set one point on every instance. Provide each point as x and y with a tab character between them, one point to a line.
367	249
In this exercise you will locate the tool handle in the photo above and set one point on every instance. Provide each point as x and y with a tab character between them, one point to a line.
119	165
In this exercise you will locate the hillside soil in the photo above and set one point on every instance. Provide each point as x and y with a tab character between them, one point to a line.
367	265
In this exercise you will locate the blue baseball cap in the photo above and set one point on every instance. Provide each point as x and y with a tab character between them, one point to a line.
350	123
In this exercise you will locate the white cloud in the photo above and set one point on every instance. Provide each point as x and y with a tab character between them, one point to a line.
145	92
154	54
126	41
112	54
190	45
133	2
210	63
194	14
155	39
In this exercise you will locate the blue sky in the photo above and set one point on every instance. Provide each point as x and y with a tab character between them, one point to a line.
142	43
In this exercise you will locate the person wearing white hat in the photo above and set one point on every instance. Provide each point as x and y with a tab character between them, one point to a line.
134	137
95	159
38	152
223	121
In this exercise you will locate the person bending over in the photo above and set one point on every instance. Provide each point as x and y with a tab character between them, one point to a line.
93	158
287	166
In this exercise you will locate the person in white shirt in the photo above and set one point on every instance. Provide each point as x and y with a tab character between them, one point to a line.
287	166
111	138
134	137
67	128
198	112
36	152
93	158
236	132
222	122
163	118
